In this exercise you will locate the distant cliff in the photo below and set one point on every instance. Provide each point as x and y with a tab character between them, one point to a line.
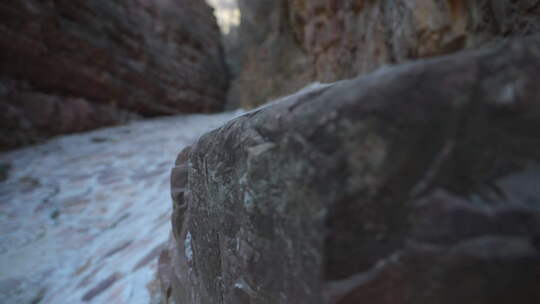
290	43
68	66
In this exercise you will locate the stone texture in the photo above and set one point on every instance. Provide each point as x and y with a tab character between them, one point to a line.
329	40
67	66
415	184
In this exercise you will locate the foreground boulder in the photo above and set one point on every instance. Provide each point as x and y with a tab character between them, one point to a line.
68	66
415	184
328	40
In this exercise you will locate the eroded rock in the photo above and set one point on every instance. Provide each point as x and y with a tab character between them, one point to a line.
415	184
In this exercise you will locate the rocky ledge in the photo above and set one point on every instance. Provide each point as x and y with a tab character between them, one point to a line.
415	184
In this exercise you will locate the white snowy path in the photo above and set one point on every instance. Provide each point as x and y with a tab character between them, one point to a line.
83	217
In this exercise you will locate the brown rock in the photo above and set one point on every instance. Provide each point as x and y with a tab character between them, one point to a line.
415	184
329	40
67	66
271	63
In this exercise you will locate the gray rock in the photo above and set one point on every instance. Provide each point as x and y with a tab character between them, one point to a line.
415	184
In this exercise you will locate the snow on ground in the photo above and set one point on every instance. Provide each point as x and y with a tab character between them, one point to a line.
83	217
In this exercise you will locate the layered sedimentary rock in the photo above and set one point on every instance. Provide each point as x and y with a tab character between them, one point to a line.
415	184
327	40
67	66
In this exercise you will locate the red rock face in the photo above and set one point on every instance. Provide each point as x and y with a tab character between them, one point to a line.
349	37
337	39
94	60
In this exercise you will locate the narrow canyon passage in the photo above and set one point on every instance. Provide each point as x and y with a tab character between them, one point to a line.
84	217
269	152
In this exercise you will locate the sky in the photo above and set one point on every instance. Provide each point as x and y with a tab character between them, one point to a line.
227	13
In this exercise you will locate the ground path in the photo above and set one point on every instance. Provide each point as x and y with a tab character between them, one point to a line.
83	217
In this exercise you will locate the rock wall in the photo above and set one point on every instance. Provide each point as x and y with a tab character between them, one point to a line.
328	40
68	66
415	184
270	62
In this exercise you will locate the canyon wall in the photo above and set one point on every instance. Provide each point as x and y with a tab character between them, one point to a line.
290	43
68	66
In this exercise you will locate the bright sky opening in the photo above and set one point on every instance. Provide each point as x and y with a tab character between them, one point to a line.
227	13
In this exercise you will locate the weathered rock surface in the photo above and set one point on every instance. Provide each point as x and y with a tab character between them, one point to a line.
415	184
327	40
67	66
